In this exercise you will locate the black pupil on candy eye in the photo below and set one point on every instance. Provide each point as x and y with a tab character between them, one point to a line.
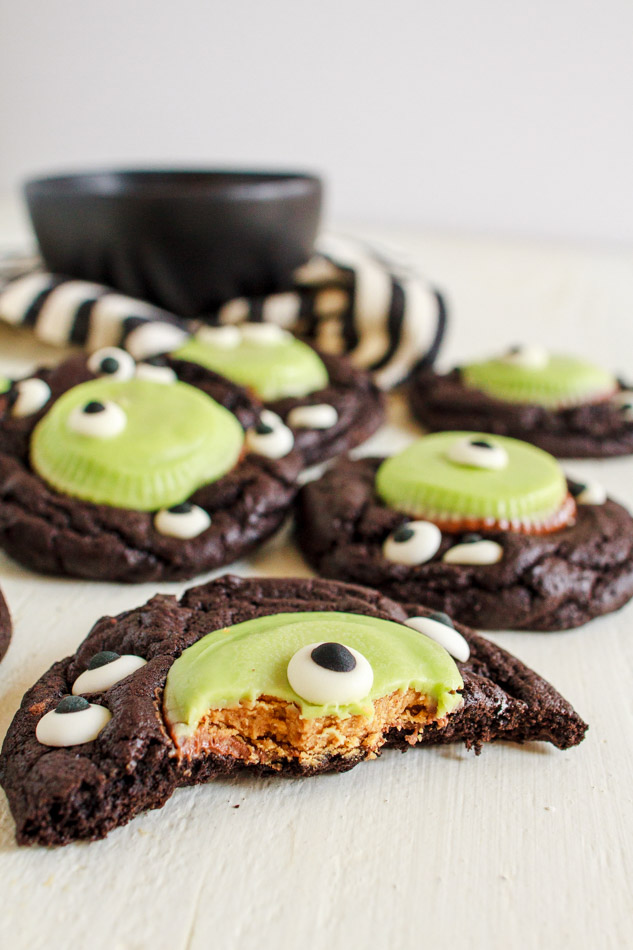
93	407
403	534
481	444
71	704
576	488
442	618
470	538
101	659
183	509
109	364
513	350
334	656
263	429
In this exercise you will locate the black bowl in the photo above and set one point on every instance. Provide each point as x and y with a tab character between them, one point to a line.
185	240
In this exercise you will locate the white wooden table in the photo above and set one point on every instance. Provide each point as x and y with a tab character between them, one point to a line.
521	847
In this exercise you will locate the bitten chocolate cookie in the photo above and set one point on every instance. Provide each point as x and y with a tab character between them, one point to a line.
5	626
566	406
287	676
329	405
117	470
483	527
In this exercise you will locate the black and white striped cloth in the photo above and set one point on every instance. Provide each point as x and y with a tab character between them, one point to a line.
349	298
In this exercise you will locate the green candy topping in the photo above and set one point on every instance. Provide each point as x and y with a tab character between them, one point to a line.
563	381
5	384
175	439
424	482
272	370
250	659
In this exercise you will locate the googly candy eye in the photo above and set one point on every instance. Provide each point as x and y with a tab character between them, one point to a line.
73	722
270	437
99	420
113	362
104	670
29	396
323	673
587	493
182	521
156	373
478	452
412	543
473	549
439	627
264	334
527	356
624	402
226	337
321	416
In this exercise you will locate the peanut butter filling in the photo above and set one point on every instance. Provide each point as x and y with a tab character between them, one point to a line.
272	732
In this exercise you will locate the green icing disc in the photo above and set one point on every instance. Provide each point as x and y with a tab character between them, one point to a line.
561	381
250	659
5	384
425	482
272	370
174	439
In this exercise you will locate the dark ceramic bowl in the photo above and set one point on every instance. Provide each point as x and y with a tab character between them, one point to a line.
185	240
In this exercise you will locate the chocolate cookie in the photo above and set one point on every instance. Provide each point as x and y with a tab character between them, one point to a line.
116	728
116	470
577	411
5	626
551	573
329	405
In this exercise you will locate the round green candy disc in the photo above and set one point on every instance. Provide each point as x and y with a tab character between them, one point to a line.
561	381
168	441
250	659
424	480
5	384
272	370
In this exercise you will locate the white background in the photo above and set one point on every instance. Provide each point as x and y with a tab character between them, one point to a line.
489	116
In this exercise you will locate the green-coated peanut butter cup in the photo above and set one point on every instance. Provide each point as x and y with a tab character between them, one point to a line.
561	381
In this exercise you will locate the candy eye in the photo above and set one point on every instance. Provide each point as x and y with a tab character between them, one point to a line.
182	521
227	338
624	402
473	549
412	543
104	670
270	437
29	396
73	722
323	673
321	416
264	334
153	338
99	420
587	493
478	453
527	357
113	362
156	373
439	627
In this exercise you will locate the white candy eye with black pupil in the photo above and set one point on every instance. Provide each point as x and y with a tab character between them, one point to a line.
270	437
184	521
527	357
624	402
99	420
475	550
412	543
587	493
73	722
478	452
113	362
29	396
439	627
104	670
324	673
156	373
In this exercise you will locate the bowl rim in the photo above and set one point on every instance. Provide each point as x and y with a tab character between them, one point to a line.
174	183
